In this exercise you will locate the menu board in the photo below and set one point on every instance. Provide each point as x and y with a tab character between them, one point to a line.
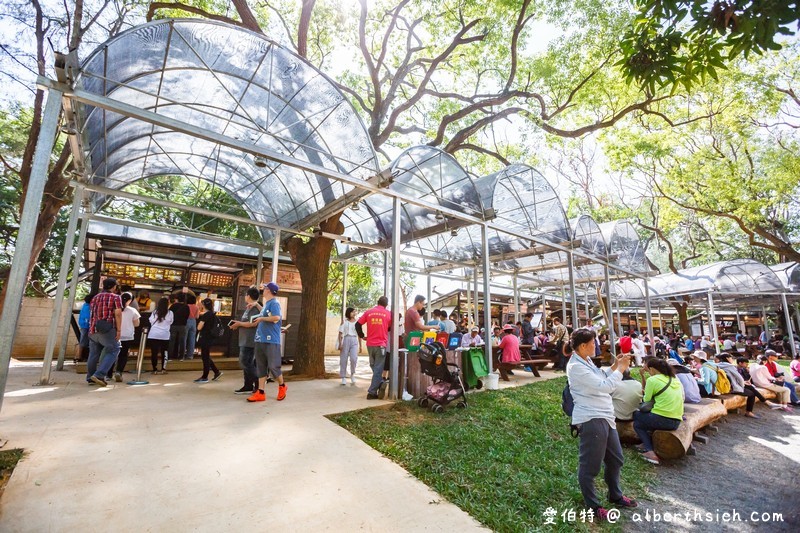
210	279
139	272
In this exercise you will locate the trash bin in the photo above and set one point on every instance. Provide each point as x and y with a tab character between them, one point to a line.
473	366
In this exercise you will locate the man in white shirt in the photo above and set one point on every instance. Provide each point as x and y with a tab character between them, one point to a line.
762	379
471	340
626	397
639	351
728	345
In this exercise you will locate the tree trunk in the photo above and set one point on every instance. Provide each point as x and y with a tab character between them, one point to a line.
683	316
312	259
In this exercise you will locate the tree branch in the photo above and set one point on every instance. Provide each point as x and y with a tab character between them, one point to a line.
190	9
302	27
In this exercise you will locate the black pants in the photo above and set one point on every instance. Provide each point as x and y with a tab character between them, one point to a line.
158	348
599	445
208	364
751	393
122	358
703	392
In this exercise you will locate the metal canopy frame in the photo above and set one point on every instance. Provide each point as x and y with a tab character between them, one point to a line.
167	98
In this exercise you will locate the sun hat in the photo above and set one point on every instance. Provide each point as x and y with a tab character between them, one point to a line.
474	328
700	354
508	327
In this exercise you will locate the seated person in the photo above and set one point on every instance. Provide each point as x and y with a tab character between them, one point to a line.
626	397
762	379
673	354
667	394
794	366
471	340
706	373
772	367
747	387
509	345
691	391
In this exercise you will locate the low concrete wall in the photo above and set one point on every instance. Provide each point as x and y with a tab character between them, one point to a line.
32	328
331	332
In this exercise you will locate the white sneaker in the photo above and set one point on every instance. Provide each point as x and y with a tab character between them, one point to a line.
344	382
352	380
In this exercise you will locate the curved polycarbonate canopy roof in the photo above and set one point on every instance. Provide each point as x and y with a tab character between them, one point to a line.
789	274
426	173
623	242
233	82
739	278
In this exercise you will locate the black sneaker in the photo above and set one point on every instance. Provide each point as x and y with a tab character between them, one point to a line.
244	390
382	389
371	396
216	376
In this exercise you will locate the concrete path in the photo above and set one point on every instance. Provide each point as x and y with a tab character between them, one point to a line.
176	456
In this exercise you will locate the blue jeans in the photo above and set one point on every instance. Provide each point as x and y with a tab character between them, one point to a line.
247	360
792	391
191	337
644	423
377	354
103	351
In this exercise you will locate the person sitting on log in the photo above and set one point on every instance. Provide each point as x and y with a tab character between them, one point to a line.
749	390
626	397
666	413
763	380
691	392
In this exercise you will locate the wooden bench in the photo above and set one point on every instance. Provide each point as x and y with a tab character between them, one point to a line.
534	364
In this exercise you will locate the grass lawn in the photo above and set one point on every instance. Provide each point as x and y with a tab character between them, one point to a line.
504	460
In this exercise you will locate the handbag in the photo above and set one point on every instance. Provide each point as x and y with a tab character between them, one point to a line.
646	407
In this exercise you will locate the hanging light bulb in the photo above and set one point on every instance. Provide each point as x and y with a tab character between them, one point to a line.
439	215
260	162
355	206
453	232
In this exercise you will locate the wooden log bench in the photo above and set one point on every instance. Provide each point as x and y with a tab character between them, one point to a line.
677	443
734	402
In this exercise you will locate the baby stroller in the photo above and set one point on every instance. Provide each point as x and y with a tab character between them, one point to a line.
447	385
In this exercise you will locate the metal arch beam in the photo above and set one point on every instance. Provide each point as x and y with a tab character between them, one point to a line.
789	328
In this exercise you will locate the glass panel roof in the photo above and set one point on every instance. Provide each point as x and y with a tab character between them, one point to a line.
233	82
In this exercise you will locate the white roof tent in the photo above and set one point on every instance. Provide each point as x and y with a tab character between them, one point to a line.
207	100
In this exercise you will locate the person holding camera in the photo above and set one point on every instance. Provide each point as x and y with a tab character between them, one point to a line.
593	413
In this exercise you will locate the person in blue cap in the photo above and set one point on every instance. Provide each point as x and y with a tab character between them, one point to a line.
268	344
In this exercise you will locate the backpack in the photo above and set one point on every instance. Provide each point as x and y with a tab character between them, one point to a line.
723	383
568	405
217	329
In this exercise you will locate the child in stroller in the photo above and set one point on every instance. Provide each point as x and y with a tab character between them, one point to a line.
447	385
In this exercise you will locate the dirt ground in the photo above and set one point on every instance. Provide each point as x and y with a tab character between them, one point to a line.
750	466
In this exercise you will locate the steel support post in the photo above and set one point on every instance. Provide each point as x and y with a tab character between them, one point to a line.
276	253
23	247
573	299
789	328
394	383
487	298
610	315
429	290
344	290
475	298
649	317
259	267
73	289
516	299
712	318
58	302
